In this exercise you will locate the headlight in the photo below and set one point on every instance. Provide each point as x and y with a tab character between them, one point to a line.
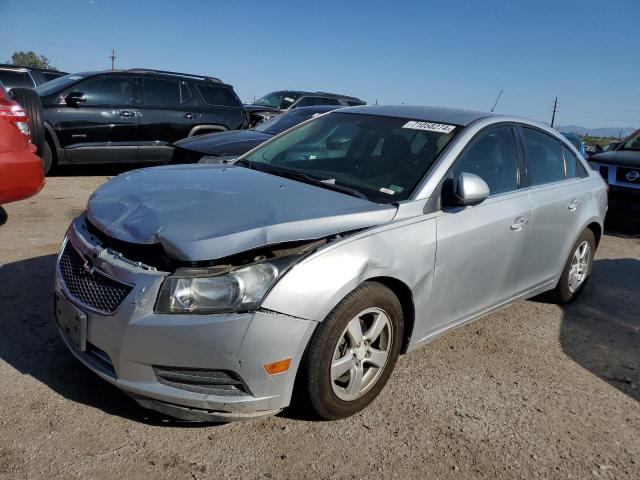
237	290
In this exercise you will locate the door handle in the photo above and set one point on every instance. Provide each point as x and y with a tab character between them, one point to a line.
519	223
190	115
127	114
573	205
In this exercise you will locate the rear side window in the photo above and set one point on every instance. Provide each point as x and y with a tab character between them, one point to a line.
492	156
543	155
570	162
312	101
160	92
217	95
12	79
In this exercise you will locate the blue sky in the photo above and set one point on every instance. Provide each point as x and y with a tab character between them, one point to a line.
454	53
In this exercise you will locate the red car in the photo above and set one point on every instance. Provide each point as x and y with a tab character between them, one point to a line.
20	169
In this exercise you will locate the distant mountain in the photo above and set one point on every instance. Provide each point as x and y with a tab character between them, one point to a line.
598	132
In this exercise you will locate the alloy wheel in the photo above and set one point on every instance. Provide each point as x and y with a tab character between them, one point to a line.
361	354
579	266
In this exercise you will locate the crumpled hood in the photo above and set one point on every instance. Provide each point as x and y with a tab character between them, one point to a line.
235	142
207	212
626	158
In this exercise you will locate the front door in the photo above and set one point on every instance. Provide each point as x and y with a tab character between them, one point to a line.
480	248
102	128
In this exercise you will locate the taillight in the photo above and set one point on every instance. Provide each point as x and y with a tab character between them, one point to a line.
14	113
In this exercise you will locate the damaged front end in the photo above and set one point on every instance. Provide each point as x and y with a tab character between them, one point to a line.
237	283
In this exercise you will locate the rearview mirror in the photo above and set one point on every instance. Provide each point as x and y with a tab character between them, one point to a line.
74	98
469	189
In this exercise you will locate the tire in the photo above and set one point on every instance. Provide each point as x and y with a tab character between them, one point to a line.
31	102
47	158
570	287
341	396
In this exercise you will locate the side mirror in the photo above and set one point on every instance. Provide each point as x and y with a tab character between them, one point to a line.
74	98
469	189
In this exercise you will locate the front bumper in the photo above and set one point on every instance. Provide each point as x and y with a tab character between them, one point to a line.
127	347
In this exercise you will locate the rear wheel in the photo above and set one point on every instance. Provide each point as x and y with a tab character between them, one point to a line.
577	269
353	352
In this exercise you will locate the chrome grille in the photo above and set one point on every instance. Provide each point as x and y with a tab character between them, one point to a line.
92	288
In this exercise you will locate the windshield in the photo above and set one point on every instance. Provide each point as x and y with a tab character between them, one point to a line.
283	122
279	100
58	84
380	158
633	143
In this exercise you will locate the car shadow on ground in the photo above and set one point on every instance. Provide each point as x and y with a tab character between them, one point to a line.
29	342
601	330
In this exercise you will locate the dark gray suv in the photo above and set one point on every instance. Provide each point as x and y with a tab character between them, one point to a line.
132	115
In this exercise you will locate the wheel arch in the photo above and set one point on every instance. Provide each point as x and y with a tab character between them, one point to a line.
51	138
207	128
596	228
404	294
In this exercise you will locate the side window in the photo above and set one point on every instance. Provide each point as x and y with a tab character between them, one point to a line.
217	95
160	92
492	156
312	101
543	157
108	91
570	162
12	79
185	93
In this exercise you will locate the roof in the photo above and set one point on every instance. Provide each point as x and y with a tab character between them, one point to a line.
24	69
149	71
324	94
453	116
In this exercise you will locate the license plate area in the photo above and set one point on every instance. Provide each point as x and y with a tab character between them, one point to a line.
72	321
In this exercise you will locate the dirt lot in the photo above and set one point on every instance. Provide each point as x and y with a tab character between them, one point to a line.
532	391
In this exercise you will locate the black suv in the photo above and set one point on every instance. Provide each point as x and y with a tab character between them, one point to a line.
13	76
132	116
277	102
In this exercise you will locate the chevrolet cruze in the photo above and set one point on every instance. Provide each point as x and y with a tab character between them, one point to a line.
309	264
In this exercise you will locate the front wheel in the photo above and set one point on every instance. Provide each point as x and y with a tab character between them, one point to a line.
577	269
352	353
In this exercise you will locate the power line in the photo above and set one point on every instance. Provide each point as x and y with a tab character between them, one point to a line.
113	59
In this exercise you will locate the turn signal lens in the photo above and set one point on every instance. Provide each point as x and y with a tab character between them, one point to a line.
280	366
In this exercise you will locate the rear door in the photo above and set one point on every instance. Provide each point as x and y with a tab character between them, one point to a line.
480	248
554	180
167	114
103	128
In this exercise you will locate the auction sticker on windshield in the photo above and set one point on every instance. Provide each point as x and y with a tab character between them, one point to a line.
429	126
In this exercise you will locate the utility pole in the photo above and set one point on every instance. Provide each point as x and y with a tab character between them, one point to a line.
555	107
496	103
113	59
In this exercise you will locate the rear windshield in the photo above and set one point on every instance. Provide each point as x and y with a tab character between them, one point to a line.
218	95
58	84
380	158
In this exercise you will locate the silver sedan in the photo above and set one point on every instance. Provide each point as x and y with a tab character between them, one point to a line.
208	292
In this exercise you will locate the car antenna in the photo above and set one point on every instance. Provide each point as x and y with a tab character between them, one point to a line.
496	102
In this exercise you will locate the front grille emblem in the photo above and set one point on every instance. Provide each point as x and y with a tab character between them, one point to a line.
632	176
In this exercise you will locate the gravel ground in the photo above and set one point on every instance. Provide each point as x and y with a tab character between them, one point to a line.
534	390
